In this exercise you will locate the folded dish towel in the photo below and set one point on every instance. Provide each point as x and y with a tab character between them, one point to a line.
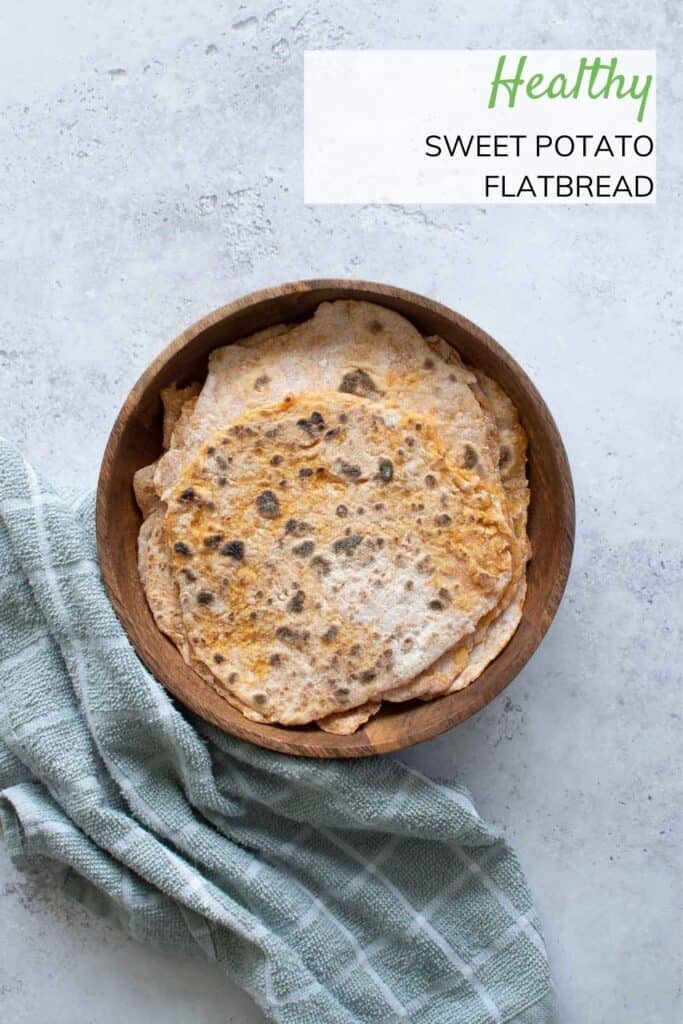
333	891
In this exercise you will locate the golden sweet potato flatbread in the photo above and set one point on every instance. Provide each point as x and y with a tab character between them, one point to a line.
176	401
161	589
507	442
348	346
178	406
156	572
496	636
506	432
507	439
328	549
498	627
344	723
144	490
363	349
438	677
511	457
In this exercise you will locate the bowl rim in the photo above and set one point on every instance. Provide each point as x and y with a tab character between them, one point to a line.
320	744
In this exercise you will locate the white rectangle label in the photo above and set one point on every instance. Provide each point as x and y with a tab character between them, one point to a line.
479	126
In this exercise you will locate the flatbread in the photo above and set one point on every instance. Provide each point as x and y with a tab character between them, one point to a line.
349	346
344	723
175	400
512	456
161	589
143	546
209	413
436	679
145	493
178	406
497	628
497	636
345	345
440	677
367	350
267	564
156	573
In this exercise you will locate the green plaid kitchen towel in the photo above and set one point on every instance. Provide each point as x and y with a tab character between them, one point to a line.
332	891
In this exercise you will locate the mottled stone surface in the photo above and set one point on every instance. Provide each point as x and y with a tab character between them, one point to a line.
151	170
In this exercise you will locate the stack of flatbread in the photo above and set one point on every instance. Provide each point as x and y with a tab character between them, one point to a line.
338	519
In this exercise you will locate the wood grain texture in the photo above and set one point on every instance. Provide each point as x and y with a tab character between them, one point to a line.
135	440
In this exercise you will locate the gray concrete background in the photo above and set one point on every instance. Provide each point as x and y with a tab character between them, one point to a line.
151	170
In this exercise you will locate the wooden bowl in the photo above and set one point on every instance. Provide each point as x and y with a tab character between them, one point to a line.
136	440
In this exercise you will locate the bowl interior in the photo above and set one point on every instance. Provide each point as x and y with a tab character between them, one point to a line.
136	440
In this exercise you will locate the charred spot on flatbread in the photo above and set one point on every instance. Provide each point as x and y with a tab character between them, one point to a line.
359	382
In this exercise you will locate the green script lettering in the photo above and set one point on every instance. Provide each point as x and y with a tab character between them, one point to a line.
595	79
